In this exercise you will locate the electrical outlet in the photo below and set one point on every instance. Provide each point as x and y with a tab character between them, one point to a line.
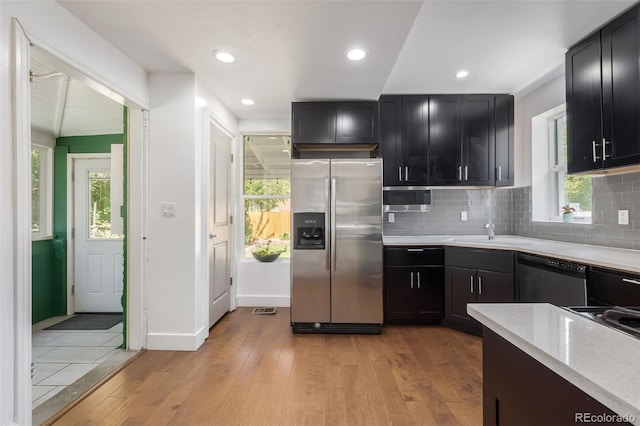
463	216
623	217
168	209
392	217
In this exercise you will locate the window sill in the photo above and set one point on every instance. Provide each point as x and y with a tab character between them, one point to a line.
560	221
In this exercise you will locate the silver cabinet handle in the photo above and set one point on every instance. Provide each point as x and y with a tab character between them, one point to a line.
460	173
418	273
471	283
593	144
212	236
400	173
604	149
406	173
333	223
499	172
412	249
466	172
480	285
327	196
412	280
629	280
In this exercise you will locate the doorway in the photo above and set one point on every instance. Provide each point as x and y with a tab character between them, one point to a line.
219	248
97	249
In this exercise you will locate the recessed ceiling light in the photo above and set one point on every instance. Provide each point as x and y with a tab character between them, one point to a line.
357	54
248	101
462	74
224	56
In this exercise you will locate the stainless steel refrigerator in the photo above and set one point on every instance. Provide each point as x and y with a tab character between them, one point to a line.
336	256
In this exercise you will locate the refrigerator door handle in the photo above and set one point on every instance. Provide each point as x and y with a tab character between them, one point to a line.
333	223
327	192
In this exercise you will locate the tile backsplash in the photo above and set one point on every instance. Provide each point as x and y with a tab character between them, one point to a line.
444	216
510	211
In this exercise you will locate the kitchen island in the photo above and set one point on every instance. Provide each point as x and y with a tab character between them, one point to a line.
546	365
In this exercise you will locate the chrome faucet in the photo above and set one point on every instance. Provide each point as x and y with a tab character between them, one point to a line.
490	229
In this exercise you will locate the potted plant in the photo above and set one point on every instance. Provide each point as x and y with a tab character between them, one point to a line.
567	213
266	253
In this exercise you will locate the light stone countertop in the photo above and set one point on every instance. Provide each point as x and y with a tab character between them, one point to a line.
624	260
602	362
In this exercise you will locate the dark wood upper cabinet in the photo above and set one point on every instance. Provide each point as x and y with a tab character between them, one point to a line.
390	110
478	140
334	122
357	122
415	142
313	122
504	173
603	97
445	139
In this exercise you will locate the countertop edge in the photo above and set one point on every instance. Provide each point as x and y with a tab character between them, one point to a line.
592	389
445	241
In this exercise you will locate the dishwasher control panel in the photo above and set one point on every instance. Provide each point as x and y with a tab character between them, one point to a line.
566	265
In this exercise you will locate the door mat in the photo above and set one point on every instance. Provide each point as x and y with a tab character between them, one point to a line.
88	322
264	311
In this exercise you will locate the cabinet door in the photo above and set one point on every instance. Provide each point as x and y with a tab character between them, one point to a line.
621	90
496	287
478	140
504	140
429	294
445	144
357	122
460	289
398	294
391	139
415	117
584	105
313	122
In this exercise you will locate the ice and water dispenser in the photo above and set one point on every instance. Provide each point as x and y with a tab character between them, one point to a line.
308	231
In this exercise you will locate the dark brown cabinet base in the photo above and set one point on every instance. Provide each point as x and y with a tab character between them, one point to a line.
518	390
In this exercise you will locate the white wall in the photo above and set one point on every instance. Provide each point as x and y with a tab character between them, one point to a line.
50	26
528	106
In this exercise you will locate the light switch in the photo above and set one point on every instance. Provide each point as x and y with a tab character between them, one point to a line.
168	209
392	217
463	216
623	217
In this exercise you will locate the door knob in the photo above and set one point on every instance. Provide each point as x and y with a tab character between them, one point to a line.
212	236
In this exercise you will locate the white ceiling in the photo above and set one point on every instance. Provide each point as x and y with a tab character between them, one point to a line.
294	50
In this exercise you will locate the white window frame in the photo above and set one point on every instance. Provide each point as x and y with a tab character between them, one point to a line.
245	197
46	193
547	183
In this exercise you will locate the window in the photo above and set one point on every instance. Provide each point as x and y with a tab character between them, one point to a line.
552	187
100	207
41	192
266	192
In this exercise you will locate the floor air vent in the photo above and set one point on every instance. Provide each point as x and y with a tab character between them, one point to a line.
264	311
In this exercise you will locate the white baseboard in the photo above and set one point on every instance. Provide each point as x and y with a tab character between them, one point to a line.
264	301
176	341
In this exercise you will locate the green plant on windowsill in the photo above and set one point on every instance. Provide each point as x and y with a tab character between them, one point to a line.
265	253
567	213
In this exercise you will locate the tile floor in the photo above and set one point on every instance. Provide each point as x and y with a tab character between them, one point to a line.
62	357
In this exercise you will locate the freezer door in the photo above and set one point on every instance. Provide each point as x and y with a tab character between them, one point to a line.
356	277
310	269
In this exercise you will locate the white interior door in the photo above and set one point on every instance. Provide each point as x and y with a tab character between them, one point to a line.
219	226
98	254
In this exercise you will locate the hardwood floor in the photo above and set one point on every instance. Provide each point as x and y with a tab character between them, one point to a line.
254	371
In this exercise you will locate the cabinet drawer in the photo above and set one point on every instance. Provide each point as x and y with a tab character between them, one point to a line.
609	288
487	260
413	256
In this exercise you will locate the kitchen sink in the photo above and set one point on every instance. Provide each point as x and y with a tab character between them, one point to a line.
495	242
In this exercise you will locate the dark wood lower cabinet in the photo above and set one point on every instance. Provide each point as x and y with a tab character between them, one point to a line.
414	294
518	390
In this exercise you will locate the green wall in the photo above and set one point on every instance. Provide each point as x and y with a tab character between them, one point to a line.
42	280
49	258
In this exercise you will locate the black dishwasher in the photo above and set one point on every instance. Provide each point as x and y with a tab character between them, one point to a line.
547	280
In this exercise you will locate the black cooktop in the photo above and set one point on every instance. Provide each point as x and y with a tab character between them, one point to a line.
623	319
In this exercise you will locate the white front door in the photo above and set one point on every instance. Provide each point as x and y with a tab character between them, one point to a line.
219	226
98	254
